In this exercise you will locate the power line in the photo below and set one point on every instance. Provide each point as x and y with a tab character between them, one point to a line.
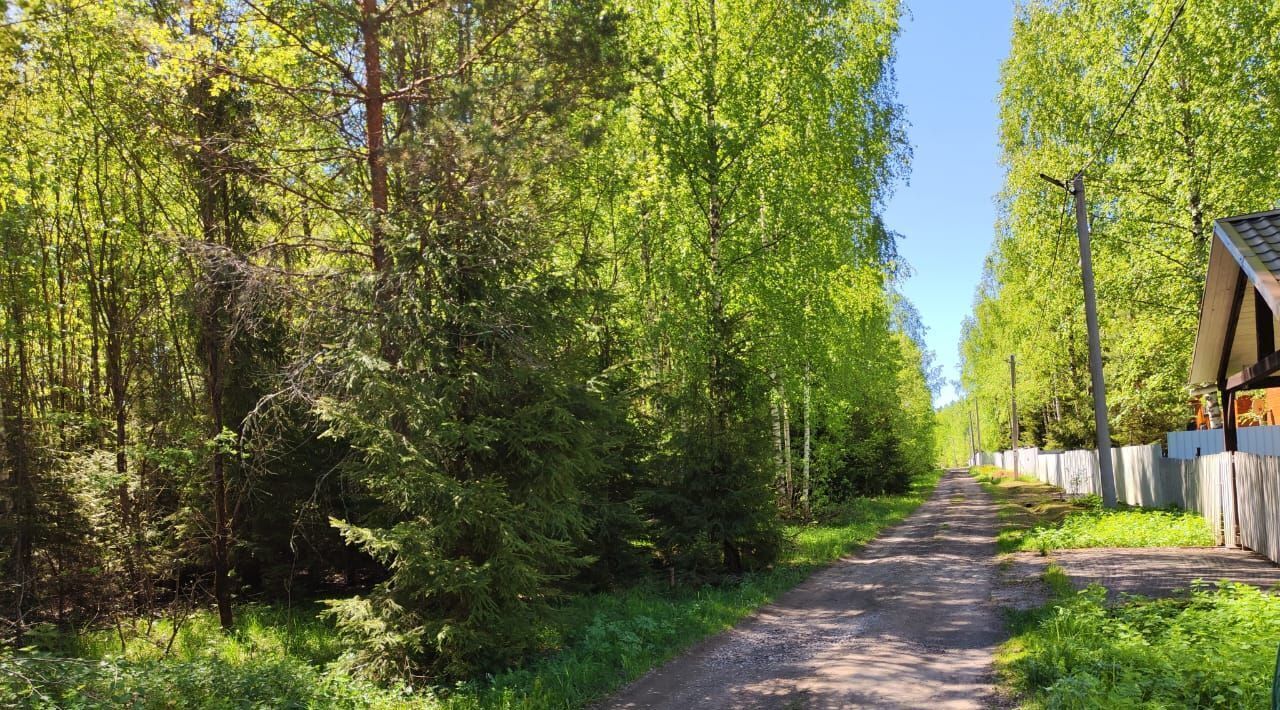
1063	226
1133	95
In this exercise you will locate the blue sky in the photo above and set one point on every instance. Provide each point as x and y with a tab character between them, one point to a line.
948	71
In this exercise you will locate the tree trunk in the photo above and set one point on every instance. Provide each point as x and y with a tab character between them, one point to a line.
375	145
775	418
804	494
20	494
788	471
211	189
117	386
218	481
374	101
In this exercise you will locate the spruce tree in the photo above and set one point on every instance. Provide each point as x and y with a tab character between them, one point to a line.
464	399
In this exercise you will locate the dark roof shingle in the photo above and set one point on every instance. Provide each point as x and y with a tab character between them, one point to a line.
1261	234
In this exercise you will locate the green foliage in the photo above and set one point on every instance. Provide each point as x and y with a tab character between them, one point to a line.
476	464
213	684
1096	526
468	402
1216	648
274	656
604	293
591	644
1194	147
1058	582
868	460
760	263
953	434
613	540
876	441
713	505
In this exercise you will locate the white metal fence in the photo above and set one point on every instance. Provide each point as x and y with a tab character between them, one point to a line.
1263	440
1146	478
1258	495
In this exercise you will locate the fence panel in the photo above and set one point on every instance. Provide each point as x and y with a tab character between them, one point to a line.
1080	474
1261	440
1257	495
1146	478
1027	461
1189	444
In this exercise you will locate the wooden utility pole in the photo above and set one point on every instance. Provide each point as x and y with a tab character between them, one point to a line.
973	443
1095	346
977	423
1013	409
1107	474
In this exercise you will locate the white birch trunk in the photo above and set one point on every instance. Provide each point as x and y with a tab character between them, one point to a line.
804	495
780	471
786	448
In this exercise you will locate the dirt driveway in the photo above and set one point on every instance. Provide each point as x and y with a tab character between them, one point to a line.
1149	571
906	623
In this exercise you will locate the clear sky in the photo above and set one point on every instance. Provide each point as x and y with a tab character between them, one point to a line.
948	70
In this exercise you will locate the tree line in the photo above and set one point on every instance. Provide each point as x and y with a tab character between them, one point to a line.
443	309
1198	143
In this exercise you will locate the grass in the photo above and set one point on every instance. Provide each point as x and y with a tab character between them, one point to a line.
1038	517
1124	527
1215	648
280	658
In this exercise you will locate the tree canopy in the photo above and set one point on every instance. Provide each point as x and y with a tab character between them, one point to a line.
442	311
1198	143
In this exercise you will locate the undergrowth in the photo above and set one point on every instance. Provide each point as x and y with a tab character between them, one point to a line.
1213	649
1095	526
283	658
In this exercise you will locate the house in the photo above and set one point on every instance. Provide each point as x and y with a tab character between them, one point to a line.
1255	408
1235	348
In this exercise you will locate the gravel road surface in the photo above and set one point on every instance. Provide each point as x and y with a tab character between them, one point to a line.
908	622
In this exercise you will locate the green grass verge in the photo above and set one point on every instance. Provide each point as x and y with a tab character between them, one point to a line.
1213	649
1038	517
280	658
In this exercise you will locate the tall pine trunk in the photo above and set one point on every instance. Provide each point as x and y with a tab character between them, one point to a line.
214	213
374	104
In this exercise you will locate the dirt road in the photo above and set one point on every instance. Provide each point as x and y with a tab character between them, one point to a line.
906	623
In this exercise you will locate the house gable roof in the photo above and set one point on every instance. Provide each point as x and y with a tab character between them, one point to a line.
1249	245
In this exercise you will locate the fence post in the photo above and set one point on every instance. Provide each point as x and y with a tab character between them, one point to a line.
1226	493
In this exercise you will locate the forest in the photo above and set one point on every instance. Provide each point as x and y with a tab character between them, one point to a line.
1197	143
431	317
